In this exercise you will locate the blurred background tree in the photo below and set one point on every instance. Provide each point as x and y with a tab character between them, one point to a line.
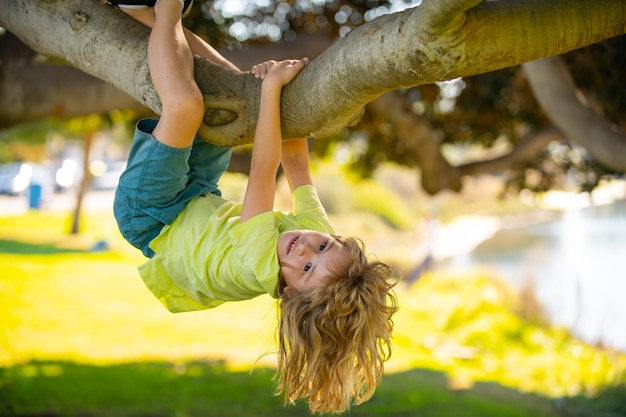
477	119
489	123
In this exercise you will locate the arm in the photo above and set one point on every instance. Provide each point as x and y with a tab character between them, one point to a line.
266	152
295	162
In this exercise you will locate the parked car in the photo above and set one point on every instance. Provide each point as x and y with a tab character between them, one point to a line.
17	177
68	175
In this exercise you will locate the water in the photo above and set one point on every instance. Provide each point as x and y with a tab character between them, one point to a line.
577	264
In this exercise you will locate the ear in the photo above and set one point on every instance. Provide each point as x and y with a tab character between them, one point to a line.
288	292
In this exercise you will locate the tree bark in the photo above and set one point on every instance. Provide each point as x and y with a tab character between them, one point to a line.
436	41
569	110
30	90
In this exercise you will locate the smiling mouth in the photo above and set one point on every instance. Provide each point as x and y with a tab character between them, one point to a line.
292	244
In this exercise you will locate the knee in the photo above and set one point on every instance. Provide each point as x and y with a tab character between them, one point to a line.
185	104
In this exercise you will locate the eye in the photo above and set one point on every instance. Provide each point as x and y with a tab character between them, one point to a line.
307	267
323	246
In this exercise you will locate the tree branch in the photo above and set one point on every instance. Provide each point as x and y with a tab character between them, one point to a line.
416	134
31	92
391	52
525	150
569	110
448	14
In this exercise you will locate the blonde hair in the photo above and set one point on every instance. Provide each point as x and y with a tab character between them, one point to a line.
333	341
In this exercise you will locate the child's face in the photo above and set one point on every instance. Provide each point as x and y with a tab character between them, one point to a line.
305	257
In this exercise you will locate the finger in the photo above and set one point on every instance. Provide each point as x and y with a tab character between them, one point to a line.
260	70
265	66
300	62
263	70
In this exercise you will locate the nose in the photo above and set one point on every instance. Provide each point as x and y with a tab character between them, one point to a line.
303	248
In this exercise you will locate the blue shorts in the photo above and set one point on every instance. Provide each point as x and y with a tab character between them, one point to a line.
159	181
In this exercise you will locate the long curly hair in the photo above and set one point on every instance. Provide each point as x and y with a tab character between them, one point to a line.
332	342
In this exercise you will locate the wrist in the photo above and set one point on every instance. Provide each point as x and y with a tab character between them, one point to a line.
271	84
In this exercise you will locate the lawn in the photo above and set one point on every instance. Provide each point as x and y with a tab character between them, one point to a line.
81	335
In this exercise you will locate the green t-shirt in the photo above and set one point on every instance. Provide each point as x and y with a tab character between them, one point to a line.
207	257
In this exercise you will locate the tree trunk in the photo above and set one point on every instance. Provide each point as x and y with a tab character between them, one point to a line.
436	41
417	136
84	185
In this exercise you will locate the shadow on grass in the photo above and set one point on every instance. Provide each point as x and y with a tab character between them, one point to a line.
22	248
209	389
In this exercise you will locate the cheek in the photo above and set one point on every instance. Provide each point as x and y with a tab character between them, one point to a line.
286	274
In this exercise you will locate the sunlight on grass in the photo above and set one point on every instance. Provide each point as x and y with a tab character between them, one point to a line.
92	307
464	326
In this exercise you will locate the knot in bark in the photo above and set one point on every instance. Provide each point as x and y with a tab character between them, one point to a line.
79	21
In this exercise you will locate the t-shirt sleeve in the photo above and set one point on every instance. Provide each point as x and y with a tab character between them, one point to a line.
309	211
254	244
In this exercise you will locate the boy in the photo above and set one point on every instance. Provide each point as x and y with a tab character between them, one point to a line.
335	306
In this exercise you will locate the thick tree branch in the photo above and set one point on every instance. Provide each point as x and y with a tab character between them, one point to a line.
568	109
30	90
416	134
448	14
391	52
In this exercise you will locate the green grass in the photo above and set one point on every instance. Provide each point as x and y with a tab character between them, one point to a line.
81	335
210	389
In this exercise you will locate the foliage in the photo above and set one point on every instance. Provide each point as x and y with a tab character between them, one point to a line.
273	20
484	112
80	334
500	105
608	399
491	112
343	192
48	139
470	327
370	196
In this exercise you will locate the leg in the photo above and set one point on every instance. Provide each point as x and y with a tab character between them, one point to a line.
197	45
202	49
158	182
171	67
